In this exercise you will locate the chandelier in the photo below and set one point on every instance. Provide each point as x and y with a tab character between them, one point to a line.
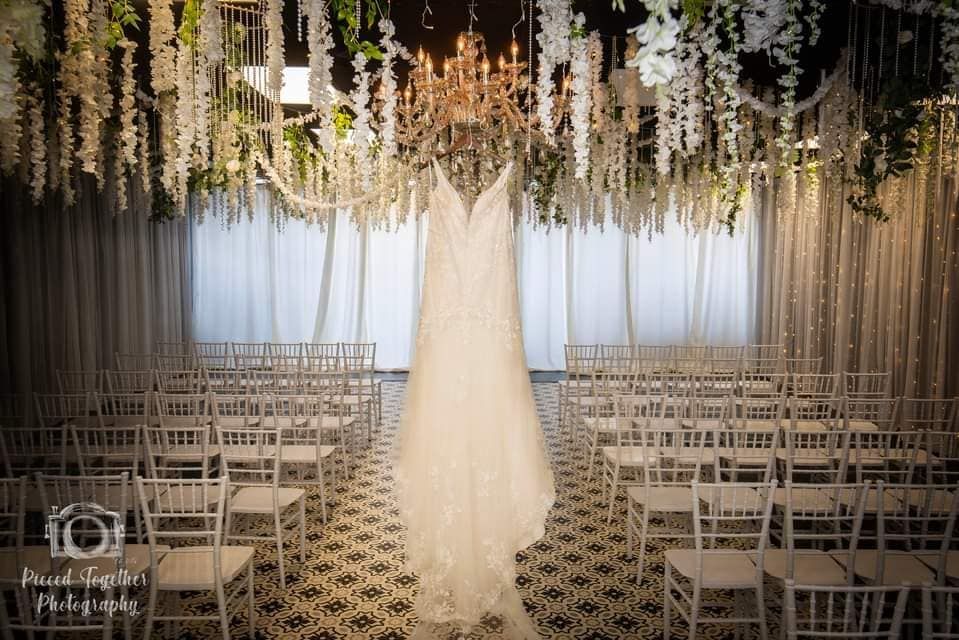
467	94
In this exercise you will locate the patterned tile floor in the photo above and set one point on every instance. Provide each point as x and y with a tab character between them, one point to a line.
576	582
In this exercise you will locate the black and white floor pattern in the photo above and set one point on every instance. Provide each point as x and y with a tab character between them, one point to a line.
576	582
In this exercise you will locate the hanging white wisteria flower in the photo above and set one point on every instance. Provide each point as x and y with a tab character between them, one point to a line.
786	51
273	20
162	47
185	126
143	152
727	71
320	42
127	111
655	57
554	19
664	131
949	14
597	86
359	99
630	97
10	140
21	29
211	33
38	144
689	92
762	21
580	105
388	88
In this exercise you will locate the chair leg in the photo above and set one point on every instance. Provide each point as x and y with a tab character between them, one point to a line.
614	487
667	577
278	531
224	614
761	606
303	523
644	526
694	612
251	603
322	481
151	611
592	456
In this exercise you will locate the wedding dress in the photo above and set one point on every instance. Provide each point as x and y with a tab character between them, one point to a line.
473	482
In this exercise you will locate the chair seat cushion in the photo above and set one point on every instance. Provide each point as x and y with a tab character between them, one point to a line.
34	557
136	560
193	570
628	456
730	499
663	499
898	567
810	566
303	453
806	499
720	570
260	499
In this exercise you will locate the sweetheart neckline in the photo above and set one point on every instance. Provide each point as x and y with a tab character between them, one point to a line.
496	186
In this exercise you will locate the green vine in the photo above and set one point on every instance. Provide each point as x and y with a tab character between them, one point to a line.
122	15
190	22
899	133
345	13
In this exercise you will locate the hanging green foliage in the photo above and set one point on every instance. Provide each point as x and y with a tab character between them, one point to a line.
344	12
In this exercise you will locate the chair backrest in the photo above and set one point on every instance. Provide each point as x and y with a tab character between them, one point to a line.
817	455
323	354
212	355
617	357
814	385
134	361
182	409
690	358
60	491
365	350
863	613
174	361
29	450
13	493
178	511
263	382
285	350
123	409
56	408
235	410
745	454
672	457
891	456
172	452
13	410
223	381
940	613
803	365
106	450
937	461
756	412
880	412
732	518
182	381
727	352
663	383
250	457
655	357
821	516
867	385
762	385
130	380
763	359
715	385
829	412
250	355
90	381
315	382
932	414
707	412
286	363
909	517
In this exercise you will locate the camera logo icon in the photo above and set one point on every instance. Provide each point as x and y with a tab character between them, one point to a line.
85	530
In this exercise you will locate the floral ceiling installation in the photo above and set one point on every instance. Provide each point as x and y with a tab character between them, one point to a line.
663	118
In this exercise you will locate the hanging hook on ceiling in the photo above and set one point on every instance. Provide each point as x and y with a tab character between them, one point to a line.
522	17
426	10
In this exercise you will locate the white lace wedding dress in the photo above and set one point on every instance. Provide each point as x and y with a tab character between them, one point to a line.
474	485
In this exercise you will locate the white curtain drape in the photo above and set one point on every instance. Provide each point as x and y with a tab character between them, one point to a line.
254	282
81	283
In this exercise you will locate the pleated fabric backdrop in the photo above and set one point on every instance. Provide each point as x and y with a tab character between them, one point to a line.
81	283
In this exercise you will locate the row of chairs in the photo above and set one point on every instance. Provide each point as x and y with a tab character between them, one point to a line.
838	559
251	355
758	358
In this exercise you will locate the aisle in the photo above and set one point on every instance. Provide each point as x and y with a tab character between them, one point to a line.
576	581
